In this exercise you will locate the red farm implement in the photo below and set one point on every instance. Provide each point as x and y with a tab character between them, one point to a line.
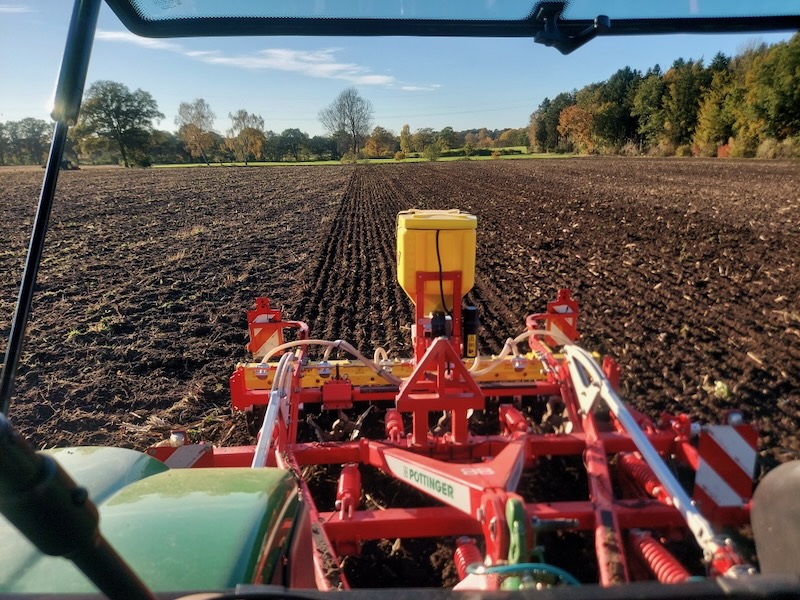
523	470
478	438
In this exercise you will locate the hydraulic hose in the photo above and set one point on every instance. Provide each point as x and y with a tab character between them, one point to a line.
511	347
338	344
280	385
522	568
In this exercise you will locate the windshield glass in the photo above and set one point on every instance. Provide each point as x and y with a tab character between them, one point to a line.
492	10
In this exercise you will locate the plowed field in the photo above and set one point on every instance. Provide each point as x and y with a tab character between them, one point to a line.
687	271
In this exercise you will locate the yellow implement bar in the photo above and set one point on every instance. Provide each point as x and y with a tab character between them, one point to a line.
359	375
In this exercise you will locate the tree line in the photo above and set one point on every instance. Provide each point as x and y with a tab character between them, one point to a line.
743	106
116	126
747	105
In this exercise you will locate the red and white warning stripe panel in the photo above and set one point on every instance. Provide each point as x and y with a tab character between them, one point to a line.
266	337
266	328
565	326
727	463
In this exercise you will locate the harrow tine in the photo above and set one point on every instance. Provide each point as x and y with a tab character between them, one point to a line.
322	435
359	423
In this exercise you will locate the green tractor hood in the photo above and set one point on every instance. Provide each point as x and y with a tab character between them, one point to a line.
179	529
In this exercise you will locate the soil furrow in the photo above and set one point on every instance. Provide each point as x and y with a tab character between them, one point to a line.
687	271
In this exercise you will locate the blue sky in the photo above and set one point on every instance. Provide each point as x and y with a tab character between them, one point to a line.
425	82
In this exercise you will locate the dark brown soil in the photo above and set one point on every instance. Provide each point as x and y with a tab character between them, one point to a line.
687	271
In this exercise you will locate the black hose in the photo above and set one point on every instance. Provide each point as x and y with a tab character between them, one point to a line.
449	311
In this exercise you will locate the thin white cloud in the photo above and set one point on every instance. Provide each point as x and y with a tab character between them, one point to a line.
127	37
420	88
312	63
15	8
200	53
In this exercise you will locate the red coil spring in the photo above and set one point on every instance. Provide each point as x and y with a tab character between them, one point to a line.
664	566
394	425
640	472
466	554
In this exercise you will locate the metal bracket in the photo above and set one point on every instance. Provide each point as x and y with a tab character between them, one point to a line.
549	13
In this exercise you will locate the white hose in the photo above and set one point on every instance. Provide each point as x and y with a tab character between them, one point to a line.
511	347
560	338
280	385
330	346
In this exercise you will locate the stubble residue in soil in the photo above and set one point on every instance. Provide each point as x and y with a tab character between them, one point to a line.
686	271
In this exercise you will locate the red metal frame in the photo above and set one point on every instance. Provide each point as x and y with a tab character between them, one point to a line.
264	323
561	316
440	382
421	343
474	478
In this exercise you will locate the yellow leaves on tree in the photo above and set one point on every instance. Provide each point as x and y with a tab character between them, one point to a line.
575	123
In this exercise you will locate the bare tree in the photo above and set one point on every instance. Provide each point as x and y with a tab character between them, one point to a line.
195	123
349	116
